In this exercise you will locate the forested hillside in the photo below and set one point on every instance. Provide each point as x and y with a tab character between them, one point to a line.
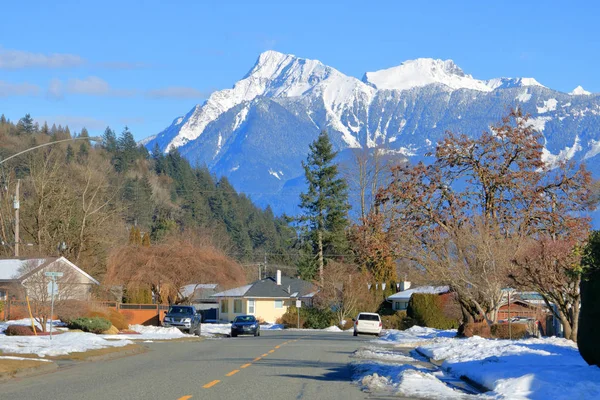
81	198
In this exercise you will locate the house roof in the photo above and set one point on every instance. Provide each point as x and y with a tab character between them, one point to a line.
290	287
11	268
199	290
406	294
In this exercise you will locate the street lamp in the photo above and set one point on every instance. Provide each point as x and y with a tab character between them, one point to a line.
93	139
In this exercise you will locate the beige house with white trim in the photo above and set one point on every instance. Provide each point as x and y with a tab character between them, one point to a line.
267	299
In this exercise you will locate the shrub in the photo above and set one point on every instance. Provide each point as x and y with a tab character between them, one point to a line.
71	309
501	331
348	324
117	319
290	318
19	330
475	329
589	325
93	324
316	318
394	321
428	310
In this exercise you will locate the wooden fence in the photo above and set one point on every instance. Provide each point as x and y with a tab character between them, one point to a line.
142	314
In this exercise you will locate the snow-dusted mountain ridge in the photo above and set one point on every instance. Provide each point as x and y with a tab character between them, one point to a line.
257	132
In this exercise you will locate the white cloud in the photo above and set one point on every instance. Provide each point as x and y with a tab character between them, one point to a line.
18	89
95	86
15	59
179	92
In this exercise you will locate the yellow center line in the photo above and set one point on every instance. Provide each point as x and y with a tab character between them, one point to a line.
271	351
264	355
235	371
211	384
257	358
246	365
277	347
185	398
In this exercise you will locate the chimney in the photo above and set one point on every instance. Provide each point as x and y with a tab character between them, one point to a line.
278	277
404	285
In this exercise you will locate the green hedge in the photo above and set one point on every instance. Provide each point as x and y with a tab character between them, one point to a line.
589	319
428	310
93	324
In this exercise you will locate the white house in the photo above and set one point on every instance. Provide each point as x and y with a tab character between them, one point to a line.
400	300
19	277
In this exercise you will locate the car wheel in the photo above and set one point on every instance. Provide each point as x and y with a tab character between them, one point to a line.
256	334
233	334
198	331
355	333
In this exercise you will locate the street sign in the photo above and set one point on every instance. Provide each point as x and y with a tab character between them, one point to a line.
52	288
54	274
298	303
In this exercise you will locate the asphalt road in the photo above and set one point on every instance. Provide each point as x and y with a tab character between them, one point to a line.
276	365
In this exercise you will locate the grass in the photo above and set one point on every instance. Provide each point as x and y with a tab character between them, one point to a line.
13	366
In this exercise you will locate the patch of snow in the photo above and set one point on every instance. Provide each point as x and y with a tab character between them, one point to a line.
274	173
428	142
272	327
415	334
422	72
65	343
594	149
147	140
579	91
539	123
27	322
215	329
150	333
406	294
505	83
241	117
549	368
523	97
549	105
374	353
566	154
235	292
23	359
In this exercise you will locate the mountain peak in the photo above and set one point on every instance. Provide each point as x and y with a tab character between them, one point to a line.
505	83
579	91
422	72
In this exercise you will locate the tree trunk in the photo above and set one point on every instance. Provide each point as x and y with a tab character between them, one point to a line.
321	261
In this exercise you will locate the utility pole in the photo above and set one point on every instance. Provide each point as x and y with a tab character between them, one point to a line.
16	207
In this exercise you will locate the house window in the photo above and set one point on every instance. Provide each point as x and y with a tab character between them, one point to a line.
224	306
397	305
278	303
237	306
251	306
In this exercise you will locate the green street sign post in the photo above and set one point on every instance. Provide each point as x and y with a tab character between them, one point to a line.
52	276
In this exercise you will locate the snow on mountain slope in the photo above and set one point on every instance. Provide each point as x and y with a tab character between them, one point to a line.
277	75
579	91
422	72
504	83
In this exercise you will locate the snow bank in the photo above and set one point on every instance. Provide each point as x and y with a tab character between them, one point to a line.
27	322
149	333
65	343
374	353
215	329
272	327
549	368
404	380
416	334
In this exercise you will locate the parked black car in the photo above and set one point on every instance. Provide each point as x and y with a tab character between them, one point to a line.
185	318
245	325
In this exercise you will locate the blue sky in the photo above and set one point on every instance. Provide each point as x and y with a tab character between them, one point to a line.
143	63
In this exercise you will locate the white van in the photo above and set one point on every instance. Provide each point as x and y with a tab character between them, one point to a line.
367	323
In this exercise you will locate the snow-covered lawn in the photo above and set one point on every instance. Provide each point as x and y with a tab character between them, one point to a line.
548	368
27	322
65	343
149	333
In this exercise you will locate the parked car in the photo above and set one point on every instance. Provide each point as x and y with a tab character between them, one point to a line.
245	325
367	323
185	318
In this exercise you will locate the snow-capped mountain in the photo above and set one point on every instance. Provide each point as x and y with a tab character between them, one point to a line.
258	132
579	91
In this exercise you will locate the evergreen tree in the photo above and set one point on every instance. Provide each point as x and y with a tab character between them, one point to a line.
70	154
109	141
2	120
127	151
45	130
159	160
325	204
83	153
25	125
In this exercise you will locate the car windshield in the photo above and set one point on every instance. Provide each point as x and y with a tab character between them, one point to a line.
245	318
368	317
181	310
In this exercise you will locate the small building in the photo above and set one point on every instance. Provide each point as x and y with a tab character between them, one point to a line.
26	277
200	295
267	299
400	300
